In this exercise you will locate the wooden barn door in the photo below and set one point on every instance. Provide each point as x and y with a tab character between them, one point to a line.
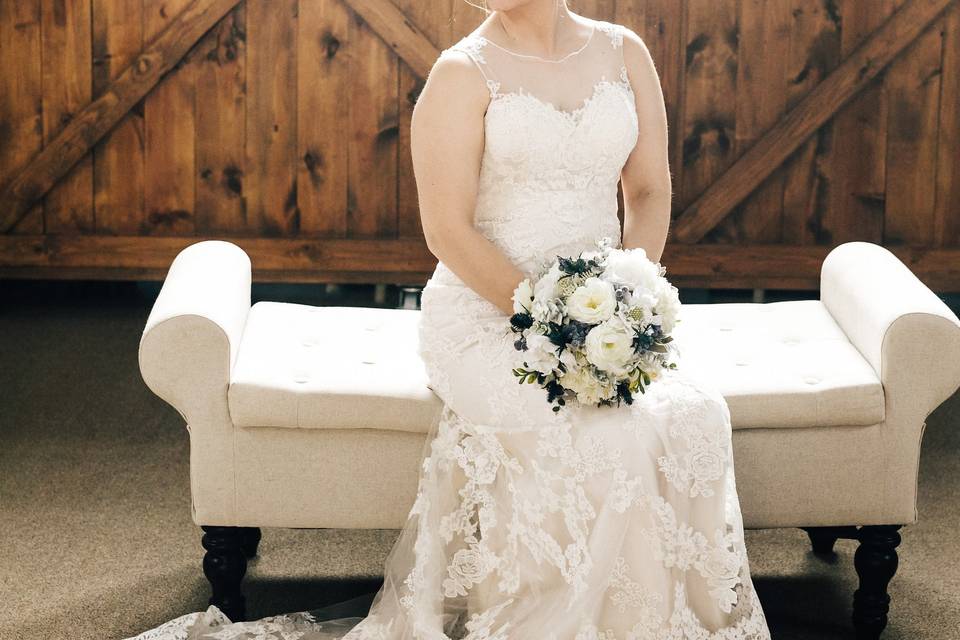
133	128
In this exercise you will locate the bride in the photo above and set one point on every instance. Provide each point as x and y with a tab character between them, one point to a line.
591	523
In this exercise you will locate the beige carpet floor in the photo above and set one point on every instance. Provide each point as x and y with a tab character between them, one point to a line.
96	540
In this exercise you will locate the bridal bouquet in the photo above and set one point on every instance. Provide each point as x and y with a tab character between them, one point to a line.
595	327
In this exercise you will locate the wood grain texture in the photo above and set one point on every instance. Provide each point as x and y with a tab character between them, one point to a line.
770	151
760	102
373	128
710	89
169	135
323	81
67	87
288	120
98	117
21	99
270	192
118	156
946	225
220	119
815	51
854	169
912	93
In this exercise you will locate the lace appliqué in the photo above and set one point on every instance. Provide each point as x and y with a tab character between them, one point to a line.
614	31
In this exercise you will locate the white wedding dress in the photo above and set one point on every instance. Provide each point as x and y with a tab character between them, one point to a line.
591	523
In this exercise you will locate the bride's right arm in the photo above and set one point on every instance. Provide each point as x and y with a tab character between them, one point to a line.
446	142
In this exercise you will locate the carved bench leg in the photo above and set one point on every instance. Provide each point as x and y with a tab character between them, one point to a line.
251	540
224	564
876	562
823	538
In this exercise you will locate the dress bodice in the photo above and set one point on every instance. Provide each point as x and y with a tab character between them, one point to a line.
557	134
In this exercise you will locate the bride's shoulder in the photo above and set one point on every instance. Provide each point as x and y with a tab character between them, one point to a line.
452	80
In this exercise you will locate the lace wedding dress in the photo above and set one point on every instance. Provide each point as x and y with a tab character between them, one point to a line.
591	523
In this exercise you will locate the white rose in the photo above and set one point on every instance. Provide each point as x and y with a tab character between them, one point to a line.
632	267
609	346
523	297
593	302
540	354
568	359
668	305
545	288
589	390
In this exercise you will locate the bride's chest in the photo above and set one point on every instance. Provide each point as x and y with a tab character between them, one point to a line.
525	132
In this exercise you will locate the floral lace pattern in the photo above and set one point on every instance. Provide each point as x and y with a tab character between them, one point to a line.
593	523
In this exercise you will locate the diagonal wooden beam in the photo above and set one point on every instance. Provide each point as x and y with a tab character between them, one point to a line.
95	120
401	35
770	151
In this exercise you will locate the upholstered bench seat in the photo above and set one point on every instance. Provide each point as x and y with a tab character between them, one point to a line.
781	364
331	368
318	417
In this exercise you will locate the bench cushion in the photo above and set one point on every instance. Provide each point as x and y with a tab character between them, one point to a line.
331	367
781	364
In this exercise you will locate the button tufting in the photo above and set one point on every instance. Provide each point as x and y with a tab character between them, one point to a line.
301	378
810	380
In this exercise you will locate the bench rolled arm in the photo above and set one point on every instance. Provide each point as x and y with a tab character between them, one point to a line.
192	335
902	328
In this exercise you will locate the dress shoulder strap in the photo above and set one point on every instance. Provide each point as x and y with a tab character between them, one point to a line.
614	32
472	45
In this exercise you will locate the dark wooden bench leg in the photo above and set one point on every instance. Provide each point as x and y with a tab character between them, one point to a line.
876	562
823	538
225	564
251	540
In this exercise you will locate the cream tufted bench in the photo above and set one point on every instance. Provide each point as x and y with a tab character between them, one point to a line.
316	417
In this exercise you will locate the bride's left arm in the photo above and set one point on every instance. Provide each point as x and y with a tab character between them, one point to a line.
645	177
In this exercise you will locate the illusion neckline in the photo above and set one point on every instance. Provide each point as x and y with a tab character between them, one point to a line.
573	116
590	38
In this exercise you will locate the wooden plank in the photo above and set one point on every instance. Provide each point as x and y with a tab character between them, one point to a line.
21	99
169	141
305	276
815	51
855	165
760	100
270	187
272	254
79	136
220	73
663	33
67	86
323	79
118	157
912	88
373	129
946	220
709	118
398	33
771	150
409	260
